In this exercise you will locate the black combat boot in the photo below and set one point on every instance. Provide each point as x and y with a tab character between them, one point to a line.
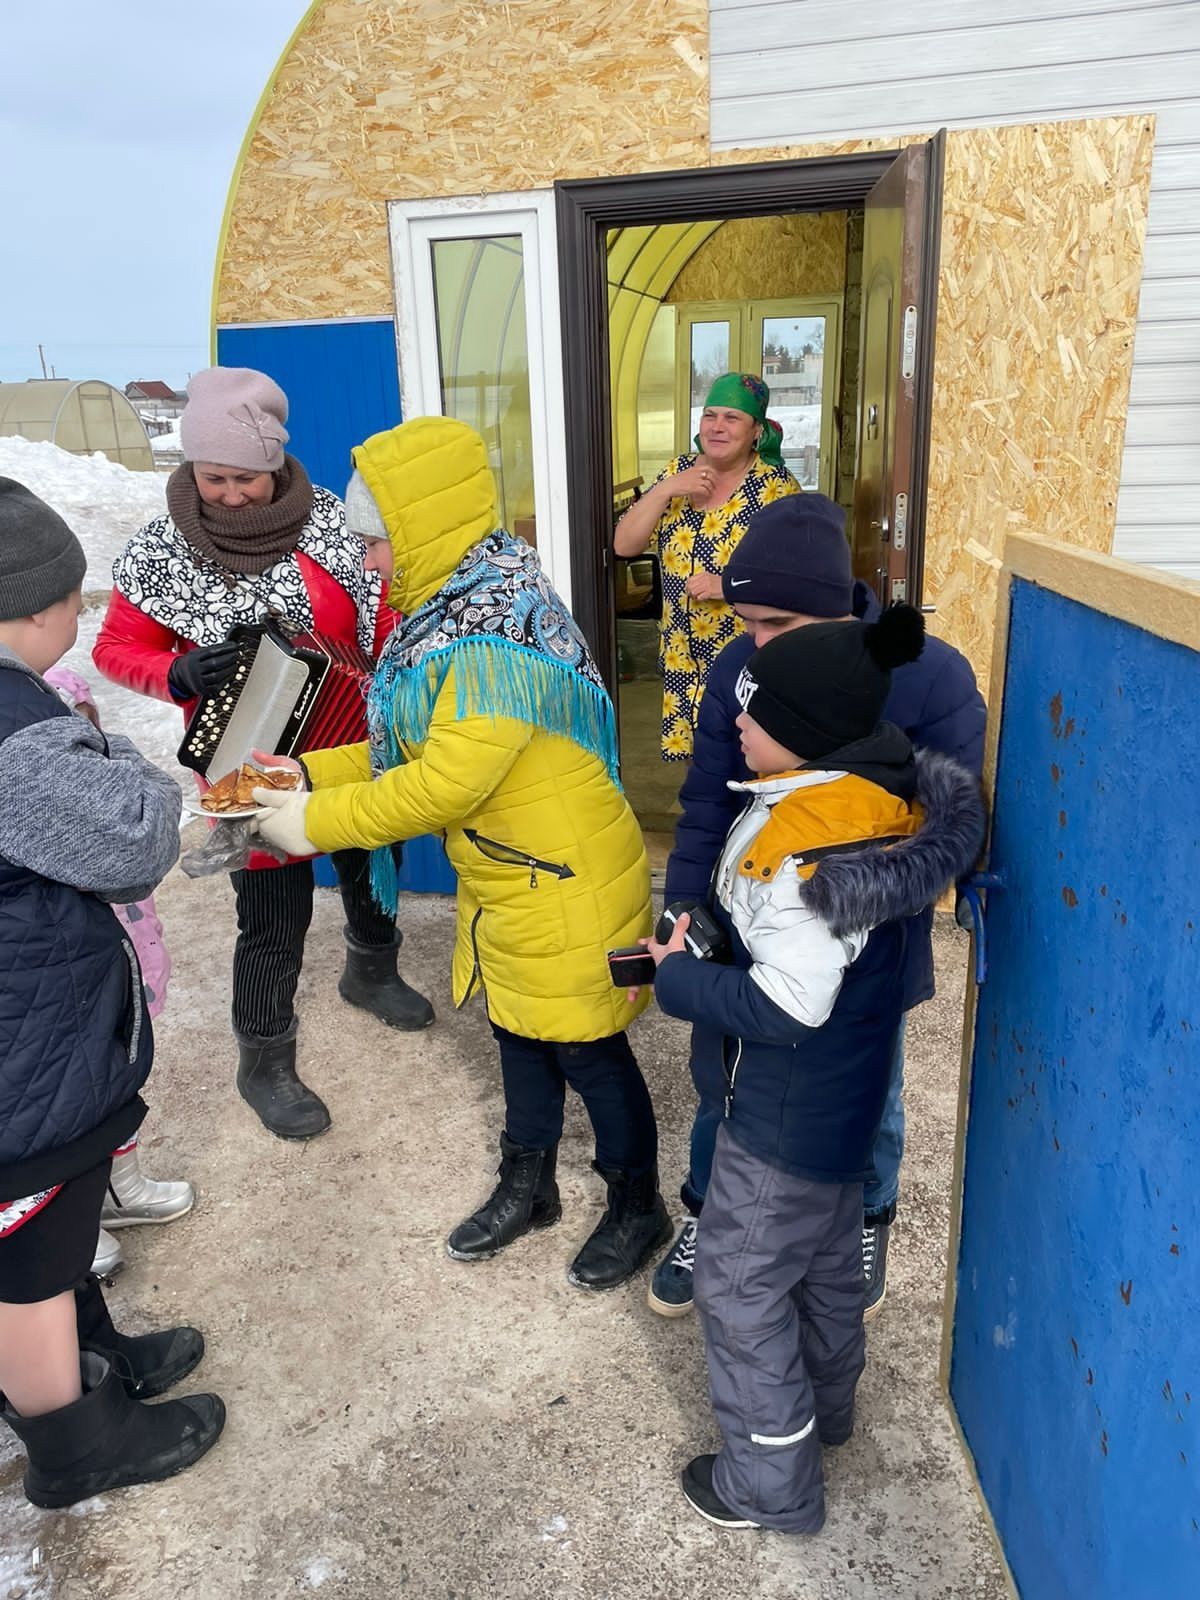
372	982
634	1226
267	1080
525	1198
148	1363
105	1440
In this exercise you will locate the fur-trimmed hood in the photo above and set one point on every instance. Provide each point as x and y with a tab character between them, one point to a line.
863	888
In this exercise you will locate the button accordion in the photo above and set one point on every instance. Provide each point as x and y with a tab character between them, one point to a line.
290	692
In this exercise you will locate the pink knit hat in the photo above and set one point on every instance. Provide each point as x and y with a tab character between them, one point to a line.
235	417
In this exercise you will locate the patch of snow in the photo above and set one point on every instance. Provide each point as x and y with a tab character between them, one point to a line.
319	1570
169	441
102	501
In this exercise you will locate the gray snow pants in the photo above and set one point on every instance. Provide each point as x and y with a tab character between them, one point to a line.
779	1287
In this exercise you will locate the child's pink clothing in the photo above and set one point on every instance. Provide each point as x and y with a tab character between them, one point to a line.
145	930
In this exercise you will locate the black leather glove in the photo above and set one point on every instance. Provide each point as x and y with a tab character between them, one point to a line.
200	671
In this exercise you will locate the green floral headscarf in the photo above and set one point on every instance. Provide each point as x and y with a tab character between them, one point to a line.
742	391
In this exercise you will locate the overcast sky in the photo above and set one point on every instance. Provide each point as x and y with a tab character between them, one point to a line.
120	121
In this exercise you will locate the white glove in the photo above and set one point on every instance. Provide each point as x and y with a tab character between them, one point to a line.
280	820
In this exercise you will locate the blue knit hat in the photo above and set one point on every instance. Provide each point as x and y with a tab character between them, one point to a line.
793	557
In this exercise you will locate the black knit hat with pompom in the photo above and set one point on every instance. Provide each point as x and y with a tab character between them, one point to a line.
824	685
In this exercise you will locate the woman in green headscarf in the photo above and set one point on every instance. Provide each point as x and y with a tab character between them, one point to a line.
692	517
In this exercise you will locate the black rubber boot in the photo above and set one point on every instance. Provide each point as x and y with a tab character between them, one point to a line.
371	982
106	1440
525	1198
148	1363
632	1229
266	1080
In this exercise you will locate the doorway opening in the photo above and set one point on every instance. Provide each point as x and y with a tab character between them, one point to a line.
819	276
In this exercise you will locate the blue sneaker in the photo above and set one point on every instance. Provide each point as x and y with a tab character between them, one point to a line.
874	1258
670	1291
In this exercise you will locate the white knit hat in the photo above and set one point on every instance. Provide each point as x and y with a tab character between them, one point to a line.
363	515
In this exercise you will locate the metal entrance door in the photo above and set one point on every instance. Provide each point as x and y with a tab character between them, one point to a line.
900	249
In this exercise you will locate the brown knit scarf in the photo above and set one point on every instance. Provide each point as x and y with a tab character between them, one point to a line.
252	538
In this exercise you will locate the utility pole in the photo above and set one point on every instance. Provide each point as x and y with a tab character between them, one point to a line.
42	358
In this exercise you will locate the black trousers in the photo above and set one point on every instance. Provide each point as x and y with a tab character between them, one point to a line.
274	910
604	1074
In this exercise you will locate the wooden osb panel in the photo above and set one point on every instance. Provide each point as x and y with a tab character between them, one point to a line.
1043	229
396	99
767	258
1042	235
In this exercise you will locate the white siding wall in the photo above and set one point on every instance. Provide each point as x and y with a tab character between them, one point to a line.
796	71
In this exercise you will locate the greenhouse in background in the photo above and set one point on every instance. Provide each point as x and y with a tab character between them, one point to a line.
79	417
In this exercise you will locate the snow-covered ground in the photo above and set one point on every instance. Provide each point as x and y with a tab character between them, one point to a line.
104	503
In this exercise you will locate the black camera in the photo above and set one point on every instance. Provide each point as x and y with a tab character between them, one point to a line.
705	938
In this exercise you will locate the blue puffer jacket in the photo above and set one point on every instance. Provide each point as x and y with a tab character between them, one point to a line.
794	1036
83	821
934	700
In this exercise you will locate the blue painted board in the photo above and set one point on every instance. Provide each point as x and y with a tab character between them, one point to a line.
342	384
341	379
1076	1354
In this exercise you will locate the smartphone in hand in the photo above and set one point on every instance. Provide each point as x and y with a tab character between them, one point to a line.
632	967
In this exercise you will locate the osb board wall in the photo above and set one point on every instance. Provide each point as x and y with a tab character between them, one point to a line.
1041	240
1043	229
767	258
1042	237
396	99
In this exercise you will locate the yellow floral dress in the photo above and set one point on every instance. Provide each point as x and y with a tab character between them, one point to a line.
694	632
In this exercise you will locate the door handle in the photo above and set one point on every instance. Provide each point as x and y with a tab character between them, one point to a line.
885	529
968	913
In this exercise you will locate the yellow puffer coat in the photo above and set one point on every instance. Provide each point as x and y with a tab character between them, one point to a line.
551	867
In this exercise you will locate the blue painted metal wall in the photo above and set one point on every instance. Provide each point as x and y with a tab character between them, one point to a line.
341	380
342	384
1076	1357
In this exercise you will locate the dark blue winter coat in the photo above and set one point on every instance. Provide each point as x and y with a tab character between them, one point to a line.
84	821
809	1099
934	700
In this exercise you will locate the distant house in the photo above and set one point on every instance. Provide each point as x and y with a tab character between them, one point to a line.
156	403
154	389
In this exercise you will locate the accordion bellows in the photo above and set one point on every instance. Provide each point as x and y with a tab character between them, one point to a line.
289	692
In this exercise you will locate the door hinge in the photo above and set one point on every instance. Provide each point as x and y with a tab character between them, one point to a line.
899	589
908	344
900	526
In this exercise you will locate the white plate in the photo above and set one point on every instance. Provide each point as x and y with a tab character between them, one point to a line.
191	802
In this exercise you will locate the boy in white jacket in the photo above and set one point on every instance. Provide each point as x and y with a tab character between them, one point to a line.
844	836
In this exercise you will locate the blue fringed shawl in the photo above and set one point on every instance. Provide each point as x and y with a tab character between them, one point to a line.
516	652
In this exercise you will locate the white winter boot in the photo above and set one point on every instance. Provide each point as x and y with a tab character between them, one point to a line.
134	1198
109	1255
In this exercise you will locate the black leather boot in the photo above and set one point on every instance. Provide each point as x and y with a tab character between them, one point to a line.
632	1229
148	1363
105	1440
525	1198
266	1080
372	982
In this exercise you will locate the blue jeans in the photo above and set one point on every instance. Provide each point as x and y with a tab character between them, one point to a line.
879	1195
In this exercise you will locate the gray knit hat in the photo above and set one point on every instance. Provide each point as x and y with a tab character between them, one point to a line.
41	560
234	417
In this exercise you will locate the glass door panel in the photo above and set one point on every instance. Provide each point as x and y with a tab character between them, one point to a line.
483	360
796	346
478	333
707	343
